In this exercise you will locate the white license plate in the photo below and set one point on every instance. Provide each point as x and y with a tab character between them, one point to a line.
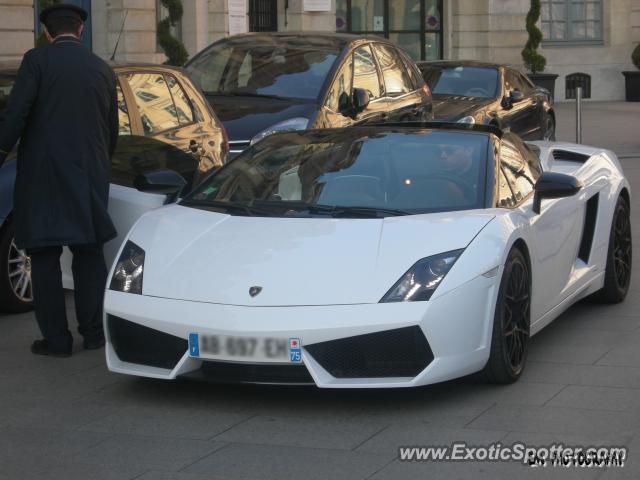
250	349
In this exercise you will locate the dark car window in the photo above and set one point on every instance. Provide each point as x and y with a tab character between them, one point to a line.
515	81
282	70
465	81
365	73
124	121
531	158
505	194
341	85
181	101
519	173
396	79
153	99
414	171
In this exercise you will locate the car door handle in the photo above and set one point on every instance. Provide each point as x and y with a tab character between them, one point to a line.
194	146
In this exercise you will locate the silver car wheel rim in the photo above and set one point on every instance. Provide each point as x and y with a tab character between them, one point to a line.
19	272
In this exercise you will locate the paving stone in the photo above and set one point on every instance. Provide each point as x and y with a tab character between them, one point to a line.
135	451
278	462
167	422
302	432
563	420
595	375
598	398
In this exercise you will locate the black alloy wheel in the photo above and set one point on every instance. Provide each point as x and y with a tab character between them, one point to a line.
16	295
617	276
511	325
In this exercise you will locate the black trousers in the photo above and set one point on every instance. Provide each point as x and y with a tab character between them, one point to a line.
89	278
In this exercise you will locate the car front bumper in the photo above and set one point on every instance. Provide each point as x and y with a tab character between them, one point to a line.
456	326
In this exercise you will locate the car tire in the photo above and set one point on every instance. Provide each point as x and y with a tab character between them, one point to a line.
549	129
617	277
511	322
13	260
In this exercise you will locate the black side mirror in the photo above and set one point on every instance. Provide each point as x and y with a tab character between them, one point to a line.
344	104
163	182
554	185
516	96
360	99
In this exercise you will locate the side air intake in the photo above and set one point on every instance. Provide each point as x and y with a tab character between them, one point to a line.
567	156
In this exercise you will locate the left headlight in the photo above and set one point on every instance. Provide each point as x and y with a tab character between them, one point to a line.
298	123
127	276
422	279
468	119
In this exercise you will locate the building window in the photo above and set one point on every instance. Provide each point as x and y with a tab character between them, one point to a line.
263	16
414	25
571	21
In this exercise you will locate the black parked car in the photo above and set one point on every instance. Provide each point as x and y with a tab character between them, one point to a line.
477	92
165	123
8	72
259	83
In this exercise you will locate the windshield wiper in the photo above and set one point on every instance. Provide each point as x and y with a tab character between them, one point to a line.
374	212
230	207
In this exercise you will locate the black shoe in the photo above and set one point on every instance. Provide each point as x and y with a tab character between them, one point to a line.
93	344
42	347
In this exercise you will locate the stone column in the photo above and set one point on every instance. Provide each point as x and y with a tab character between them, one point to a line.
195	24
218	21
16	28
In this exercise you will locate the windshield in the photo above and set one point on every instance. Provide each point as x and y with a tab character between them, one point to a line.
462	81
356	172
234	68
6	84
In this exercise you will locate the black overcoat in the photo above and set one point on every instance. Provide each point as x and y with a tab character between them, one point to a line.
63	108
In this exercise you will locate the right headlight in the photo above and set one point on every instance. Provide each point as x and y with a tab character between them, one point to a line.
468	119
422	279
297	123
127	276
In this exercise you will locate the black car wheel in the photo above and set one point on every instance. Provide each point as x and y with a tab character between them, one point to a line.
549	129
619	255
16	295
510	337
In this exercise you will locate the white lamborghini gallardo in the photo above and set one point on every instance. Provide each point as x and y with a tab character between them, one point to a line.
387	256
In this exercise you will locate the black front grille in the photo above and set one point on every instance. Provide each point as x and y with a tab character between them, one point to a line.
227	372
135	343
403	352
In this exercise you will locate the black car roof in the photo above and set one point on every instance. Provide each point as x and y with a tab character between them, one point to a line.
316	39
460	63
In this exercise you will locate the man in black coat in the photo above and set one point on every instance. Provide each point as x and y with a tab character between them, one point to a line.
63	108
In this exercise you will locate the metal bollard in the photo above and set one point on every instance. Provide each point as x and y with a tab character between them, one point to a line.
579	115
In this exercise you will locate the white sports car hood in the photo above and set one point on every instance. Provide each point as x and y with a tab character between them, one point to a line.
202	256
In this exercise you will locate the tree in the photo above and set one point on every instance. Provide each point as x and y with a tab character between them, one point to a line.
173	48
532	59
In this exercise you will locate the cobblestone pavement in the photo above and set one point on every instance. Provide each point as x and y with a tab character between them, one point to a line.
71	419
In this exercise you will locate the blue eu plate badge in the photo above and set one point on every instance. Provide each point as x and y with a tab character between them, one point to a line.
295	352
194	345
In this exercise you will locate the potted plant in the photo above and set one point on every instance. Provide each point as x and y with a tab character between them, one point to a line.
632	78
533	61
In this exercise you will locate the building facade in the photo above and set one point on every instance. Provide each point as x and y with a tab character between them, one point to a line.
595	37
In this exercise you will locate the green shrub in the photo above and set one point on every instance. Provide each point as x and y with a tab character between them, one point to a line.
635	56
173	48
532	59
42	39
